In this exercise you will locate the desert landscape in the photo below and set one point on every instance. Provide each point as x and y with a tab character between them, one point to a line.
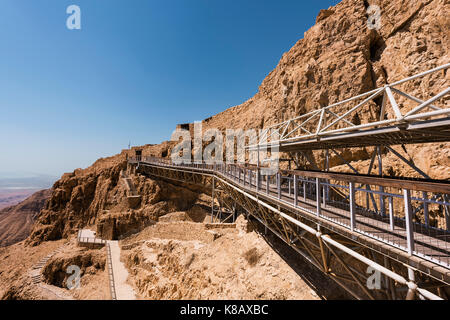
168	245
12	197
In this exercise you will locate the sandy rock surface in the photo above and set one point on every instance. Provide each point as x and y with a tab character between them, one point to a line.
237	264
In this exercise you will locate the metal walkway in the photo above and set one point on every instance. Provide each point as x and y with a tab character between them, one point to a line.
391	115
347	224
301	206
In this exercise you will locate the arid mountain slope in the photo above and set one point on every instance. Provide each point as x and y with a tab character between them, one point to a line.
341	57
188	260
16	221
338	57
97	196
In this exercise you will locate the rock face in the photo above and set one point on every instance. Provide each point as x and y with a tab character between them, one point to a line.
78	198
97	196
89	262
16	221
170	261
338	58
341	57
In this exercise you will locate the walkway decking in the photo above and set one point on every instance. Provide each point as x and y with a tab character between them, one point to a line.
429	243
117	272
122	290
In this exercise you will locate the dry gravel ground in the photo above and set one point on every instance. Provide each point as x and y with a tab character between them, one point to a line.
122	289
15	264
234	264
175	259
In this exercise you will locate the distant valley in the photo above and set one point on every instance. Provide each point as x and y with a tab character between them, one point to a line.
16	187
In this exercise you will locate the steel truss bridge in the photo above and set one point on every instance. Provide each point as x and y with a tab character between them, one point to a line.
387	121
353	227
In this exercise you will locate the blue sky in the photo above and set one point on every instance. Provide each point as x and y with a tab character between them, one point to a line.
134	70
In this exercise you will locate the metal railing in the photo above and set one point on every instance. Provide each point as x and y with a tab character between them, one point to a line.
89	240
112	284
411	215
345	117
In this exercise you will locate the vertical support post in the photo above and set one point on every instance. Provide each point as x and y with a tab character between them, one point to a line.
289	188
279	184
391	282
425	209
244	175
319	208
239	175
327	168
352	206
324	196
391	213
295	190
254	177
380	173
267	183
257	179
257	170
446	212
383	107
304	191
367	198
411	293
258	157
212	201
408	220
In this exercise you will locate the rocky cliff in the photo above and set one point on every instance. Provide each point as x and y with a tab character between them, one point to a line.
98	197
339	57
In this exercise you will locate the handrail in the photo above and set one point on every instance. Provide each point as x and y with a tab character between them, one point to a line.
293	130
112	284
251	180
233	179
418	184
88	240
